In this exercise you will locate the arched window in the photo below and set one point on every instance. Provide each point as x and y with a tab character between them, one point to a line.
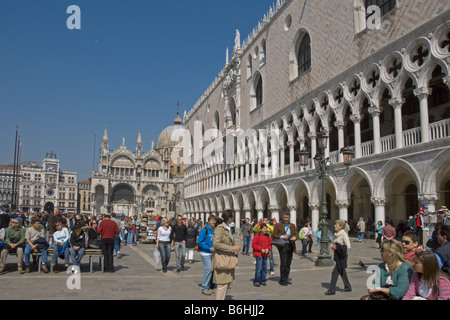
304	54
256	91
216	120
259	92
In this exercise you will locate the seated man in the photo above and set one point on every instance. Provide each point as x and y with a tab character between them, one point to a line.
60	244
14	242
77	244
410	244
33	237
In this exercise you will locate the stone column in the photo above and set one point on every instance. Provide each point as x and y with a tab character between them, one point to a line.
356	118
281	160
274	209
312	136
291	156
315	215
293	213
260	213
343	212
422	94
375	112
379	203
237	218
397	103
340	126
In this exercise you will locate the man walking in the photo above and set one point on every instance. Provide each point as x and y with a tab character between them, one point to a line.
287	231
108	230
246	235
179	232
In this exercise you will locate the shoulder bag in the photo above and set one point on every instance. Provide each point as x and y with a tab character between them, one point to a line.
225	261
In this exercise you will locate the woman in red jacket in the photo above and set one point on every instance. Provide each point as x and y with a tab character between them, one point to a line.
261	244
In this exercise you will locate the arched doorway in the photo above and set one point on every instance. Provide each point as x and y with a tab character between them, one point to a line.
123	200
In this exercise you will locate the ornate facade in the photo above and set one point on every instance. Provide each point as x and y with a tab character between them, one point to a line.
47	187
379	84
136	183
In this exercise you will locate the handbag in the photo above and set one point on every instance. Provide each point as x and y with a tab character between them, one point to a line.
279	243
225	261
157	256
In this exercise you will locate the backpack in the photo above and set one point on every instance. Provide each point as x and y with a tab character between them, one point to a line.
197	247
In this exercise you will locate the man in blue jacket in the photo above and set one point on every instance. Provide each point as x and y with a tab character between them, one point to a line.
205	244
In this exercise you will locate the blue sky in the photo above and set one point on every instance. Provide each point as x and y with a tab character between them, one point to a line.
124	70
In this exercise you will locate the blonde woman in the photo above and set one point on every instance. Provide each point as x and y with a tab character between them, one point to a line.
341	245
394	274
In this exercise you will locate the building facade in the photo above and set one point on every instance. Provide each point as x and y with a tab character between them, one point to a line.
84	196
137	183
6	186
47	187
373	74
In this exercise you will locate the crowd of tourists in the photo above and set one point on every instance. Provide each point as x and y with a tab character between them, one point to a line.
408	270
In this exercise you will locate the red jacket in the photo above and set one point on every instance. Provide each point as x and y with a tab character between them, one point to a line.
261	242
108	229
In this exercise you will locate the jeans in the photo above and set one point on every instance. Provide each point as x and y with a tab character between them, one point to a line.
56	254
27	254
164	250
271	261
130	237
207	272
180	252
117	243
304	245
122	235
247	241
76	255
361	236
261	270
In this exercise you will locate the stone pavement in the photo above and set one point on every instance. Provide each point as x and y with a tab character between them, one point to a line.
138	278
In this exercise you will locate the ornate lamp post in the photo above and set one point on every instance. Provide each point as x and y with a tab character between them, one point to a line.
324	167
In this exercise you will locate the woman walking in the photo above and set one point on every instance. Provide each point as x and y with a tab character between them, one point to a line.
378	230
224	247
341	245
163	243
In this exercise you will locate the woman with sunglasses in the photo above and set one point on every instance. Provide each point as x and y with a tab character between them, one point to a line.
428	282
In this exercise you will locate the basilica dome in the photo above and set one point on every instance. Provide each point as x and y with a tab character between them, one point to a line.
167	138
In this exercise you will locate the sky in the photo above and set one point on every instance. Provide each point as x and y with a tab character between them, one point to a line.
124	70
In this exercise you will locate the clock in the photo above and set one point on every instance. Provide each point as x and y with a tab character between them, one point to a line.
50	192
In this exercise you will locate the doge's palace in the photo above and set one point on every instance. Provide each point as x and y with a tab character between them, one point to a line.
375	80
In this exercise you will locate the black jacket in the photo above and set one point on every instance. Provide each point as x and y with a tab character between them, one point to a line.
340	256
78	241
191	240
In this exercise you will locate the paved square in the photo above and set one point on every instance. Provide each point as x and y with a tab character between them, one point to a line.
138	278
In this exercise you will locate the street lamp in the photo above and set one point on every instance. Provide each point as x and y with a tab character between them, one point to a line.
324	167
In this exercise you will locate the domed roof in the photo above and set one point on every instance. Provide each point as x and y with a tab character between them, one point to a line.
165	138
